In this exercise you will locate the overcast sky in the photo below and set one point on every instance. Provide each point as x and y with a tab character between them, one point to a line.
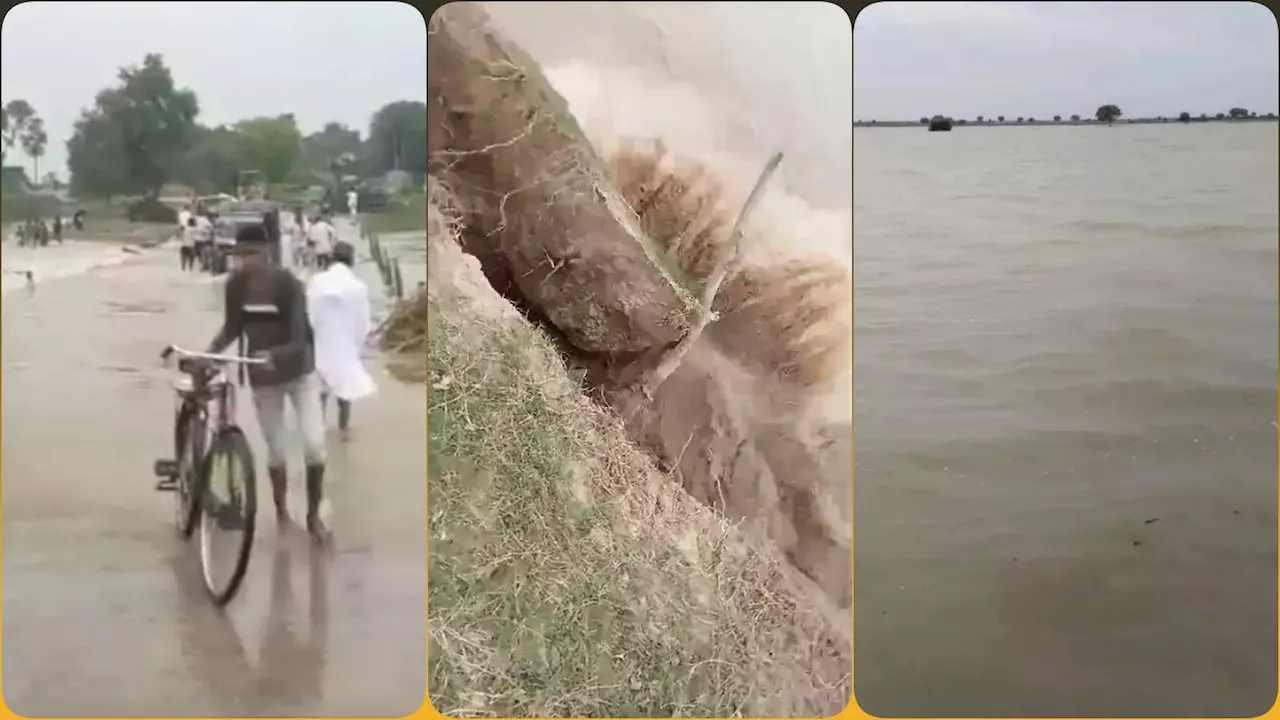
1039	59
322	61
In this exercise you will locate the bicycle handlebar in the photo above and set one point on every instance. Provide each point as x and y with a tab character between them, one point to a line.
212	357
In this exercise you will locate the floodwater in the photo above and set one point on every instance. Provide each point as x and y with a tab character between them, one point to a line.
410	249
104	612
58	260
1065	413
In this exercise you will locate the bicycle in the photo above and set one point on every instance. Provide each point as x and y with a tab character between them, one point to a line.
208	440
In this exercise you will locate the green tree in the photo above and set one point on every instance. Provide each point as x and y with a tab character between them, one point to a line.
1238	112
154	124
980	119
271	146
1000	118
398	137
34	141
95	156
321	149
15	116
1057	118
1108	113
1220	116
924	121
1184	117
213	161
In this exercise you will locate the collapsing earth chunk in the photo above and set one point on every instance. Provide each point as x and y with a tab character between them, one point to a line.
539	210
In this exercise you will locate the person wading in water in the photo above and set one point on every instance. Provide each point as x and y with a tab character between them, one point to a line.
338	305
268	306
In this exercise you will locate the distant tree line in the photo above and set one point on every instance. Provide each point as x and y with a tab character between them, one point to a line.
1109	114
143	132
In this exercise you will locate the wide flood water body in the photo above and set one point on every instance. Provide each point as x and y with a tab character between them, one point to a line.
1065	412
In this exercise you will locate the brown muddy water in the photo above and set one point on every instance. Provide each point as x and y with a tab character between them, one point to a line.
104	614
1065	412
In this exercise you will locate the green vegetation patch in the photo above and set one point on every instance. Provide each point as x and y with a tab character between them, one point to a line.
408	212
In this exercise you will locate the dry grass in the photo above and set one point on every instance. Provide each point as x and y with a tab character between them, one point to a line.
568	579
406	213
789	319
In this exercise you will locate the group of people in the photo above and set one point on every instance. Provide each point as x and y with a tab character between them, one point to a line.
312	338
195	237
313	239
36	232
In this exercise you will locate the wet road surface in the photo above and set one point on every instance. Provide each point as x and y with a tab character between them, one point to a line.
104	613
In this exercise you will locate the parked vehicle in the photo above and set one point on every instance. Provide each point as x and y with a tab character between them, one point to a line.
234	215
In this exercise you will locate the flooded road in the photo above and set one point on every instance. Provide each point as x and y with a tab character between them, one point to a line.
104	612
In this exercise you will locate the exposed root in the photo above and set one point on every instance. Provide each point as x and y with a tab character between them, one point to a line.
723	261
790	319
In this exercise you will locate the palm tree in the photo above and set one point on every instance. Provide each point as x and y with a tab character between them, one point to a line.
14	118
34	141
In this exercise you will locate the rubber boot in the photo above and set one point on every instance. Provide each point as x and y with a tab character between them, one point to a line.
315	495
344	419
280	492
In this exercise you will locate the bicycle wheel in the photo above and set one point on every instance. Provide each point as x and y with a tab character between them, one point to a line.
229	508
188	437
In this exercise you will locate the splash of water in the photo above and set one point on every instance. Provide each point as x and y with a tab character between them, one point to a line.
56	261
786	309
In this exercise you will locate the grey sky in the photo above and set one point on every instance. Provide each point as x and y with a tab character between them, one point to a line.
322	61
1040	59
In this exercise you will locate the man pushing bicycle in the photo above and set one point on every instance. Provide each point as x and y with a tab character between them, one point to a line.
267	305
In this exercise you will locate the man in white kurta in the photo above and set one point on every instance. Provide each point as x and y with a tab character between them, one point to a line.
338	307
322	236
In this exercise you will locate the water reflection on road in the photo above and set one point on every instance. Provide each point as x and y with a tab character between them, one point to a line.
291	662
